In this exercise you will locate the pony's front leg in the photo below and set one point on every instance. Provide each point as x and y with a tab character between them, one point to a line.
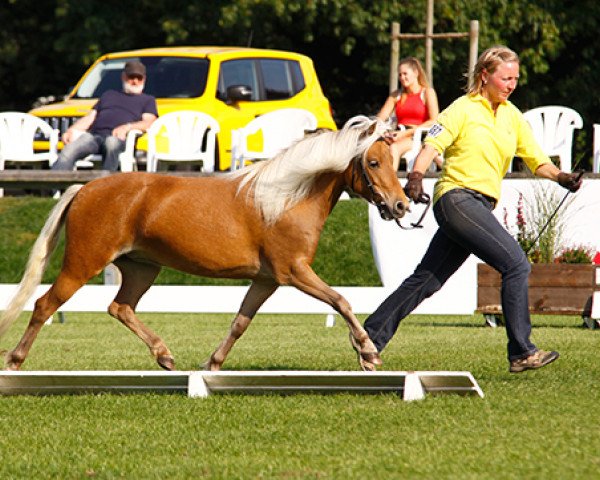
306	280
257	294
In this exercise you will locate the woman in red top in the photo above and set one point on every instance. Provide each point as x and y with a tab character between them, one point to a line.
415	105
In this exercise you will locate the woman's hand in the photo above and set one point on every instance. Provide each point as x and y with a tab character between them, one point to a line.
414	187
570	181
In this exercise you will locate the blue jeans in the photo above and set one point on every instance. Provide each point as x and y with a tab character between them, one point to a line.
87	144
466	225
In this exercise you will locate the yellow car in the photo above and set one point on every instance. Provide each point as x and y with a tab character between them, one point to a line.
198	78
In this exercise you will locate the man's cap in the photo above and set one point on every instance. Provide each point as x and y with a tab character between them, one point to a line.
134	68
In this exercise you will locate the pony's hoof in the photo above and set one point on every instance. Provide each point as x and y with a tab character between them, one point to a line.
166	362
368	361
366	366
12	366
11	363
374	358
210	366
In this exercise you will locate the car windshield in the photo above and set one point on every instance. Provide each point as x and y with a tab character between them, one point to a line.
166	77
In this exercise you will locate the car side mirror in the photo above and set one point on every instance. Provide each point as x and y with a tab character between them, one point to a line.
237	93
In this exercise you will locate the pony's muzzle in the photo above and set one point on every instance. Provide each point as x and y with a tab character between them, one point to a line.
400	209
391	212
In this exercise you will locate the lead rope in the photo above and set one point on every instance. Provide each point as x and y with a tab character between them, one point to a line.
424	198
382	207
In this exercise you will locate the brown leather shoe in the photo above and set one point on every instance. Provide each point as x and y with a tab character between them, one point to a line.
538	360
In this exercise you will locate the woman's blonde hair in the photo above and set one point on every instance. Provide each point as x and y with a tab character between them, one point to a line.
414	63
489	61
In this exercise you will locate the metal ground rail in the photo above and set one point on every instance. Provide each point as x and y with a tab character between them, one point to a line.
411	385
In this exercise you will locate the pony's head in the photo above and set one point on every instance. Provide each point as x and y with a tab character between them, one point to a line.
280	183
371	175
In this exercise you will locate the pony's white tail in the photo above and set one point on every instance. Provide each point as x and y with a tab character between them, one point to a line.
38	259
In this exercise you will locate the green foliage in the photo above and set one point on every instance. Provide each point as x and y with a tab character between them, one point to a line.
343	258
46	46
539	424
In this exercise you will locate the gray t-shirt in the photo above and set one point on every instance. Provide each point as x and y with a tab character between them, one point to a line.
116	108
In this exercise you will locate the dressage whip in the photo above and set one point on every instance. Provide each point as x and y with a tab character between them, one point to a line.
552	216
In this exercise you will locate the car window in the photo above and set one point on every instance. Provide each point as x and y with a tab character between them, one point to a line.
269	79
238	72
297	77
282	78
166	77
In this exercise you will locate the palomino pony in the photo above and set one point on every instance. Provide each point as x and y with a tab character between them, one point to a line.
262	223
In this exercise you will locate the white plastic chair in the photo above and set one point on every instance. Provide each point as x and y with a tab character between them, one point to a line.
17	134
553	128
411	155
596	165
279	128
127	159
191	137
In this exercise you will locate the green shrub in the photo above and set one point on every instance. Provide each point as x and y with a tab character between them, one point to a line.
577	254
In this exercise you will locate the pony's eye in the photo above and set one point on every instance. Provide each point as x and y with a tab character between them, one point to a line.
373	164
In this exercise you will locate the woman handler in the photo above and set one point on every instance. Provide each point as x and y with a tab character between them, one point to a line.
479	134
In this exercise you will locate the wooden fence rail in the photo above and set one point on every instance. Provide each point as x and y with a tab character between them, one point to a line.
49	179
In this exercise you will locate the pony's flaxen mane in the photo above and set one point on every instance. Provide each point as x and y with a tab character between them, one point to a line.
281	182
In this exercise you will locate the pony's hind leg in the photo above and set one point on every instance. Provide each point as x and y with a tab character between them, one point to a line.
63	288
257	294
137	279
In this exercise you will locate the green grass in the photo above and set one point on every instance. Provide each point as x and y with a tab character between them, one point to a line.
540	424
531	425
345	241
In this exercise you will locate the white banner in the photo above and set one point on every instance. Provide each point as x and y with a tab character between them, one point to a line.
397	252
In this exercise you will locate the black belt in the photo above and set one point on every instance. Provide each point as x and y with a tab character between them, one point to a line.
492	200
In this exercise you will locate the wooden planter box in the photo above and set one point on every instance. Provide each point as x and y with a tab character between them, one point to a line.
554	288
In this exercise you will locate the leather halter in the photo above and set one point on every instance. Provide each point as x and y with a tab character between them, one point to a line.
377	199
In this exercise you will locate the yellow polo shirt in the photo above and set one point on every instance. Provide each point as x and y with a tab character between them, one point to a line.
478	146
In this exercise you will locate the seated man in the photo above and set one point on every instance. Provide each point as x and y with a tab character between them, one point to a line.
105	127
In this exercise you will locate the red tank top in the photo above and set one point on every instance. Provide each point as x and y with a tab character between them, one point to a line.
413	110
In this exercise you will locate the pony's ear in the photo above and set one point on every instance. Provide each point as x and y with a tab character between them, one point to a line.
369	131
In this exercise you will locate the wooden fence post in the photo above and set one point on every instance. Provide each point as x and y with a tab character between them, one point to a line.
429	43
473	47
429	37
394	56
